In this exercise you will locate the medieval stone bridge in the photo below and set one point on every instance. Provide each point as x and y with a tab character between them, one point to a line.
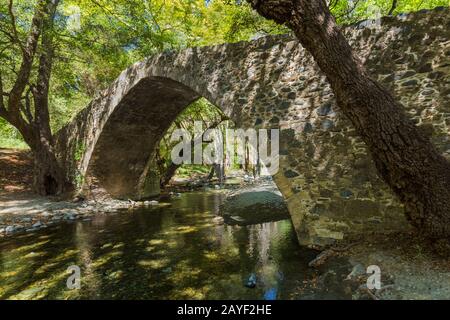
326	176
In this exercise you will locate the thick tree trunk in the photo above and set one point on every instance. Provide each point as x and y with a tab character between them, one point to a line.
406	160
49	177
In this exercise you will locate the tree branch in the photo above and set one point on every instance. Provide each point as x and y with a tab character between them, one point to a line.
27	109
393	7
8	35
27	60
15	35
3	111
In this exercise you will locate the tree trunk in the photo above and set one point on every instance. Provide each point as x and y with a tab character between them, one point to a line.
393	7
168	174
49	178
211	174
405	159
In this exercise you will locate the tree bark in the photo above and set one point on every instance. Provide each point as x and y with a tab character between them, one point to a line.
168	174
405	159
49	177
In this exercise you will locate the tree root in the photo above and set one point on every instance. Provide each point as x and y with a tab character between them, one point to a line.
322	257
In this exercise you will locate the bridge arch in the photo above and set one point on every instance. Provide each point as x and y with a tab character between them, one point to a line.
326	175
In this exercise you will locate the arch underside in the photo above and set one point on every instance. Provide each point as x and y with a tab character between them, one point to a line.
133	131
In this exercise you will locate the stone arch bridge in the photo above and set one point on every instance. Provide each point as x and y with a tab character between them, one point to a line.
326	176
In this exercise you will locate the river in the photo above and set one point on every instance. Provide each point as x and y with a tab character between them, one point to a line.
176	251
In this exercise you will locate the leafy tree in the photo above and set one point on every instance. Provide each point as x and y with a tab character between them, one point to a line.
350	11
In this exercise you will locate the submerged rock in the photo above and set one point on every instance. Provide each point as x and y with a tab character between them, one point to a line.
251	282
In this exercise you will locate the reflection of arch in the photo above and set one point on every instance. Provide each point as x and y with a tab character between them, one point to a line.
328	179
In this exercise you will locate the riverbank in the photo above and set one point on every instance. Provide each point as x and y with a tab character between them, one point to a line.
26	212
410	268
22	211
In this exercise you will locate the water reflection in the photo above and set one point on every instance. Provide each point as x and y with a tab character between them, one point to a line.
173	252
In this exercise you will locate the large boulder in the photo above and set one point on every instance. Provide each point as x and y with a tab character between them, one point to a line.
255	204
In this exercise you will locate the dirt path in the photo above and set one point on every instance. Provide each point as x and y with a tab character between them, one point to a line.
15	171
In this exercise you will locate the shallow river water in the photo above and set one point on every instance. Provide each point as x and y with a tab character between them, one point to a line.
171	252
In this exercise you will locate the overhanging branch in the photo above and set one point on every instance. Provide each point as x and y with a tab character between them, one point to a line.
27	59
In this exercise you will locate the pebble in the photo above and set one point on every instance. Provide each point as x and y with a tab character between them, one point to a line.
69	217
10	229
218	220
357	271
37	225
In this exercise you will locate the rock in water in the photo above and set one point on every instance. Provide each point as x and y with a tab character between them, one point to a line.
37	225
254	205
251	282
10	229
